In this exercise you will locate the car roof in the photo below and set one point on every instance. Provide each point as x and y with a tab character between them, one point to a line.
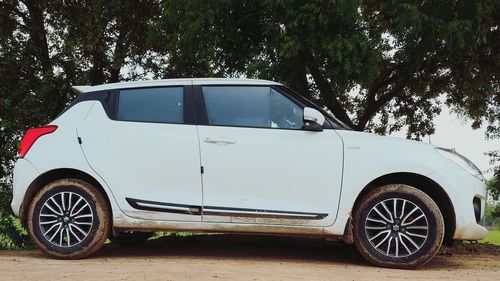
173	82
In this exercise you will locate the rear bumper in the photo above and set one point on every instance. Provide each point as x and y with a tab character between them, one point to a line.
462	188
24	174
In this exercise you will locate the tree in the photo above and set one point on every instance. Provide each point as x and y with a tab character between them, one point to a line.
20	69
492	212
397	59
494	183
100	38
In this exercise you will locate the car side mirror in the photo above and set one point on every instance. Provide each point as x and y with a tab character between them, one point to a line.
313	119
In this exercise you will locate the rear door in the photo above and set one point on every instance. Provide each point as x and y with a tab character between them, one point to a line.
260	165
147	151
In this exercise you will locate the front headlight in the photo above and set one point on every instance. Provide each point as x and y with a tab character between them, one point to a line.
463	162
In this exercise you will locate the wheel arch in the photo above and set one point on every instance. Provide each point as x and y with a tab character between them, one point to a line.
53	175
425	184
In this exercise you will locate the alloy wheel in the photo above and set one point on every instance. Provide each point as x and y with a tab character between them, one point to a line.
396	227
66	219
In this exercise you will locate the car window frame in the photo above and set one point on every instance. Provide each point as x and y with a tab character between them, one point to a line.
202	114
194	104
189	115
332	120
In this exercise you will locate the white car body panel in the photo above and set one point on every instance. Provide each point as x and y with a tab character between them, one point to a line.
24	174
162	161
395	155
347	160
270	169
59	150
462	189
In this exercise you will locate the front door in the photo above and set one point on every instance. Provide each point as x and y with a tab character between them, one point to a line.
260	165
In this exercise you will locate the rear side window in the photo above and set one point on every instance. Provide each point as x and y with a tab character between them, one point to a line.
162	105
249	106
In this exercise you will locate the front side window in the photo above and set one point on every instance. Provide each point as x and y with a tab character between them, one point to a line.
163	105
246	106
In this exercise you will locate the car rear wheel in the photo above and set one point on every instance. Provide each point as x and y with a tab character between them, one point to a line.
398	226
69	218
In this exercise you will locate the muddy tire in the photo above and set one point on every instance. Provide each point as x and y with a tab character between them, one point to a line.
131	238
398	226
69	219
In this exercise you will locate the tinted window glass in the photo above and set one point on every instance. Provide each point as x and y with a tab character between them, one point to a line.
251	107
152	105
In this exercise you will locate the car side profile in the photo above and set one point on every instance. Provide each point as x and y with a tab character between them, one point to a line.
236	156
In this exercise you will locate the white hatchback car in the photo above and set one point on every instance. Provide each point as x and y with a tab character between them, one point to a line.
236	156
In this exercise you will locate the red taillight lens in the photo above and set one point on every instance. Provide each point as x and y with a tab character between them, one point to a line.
31	136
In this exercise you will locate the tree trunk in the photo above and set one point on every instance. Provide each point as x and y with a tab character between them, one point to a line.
119	55
38	34
97	71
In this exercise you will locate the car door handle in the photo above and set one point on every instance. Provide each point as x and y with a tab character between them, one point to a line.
219	141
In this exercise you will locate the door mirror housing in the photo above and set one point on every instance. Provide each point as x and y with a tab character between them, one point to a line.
313	119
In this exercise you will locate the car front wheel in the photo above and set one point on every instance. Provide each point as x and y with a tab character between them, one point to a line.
398	226
69	218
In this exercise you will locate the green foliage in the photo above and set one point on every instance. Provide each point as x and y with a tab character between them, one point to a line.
491	217
493	237
492	212
399	59
494	183
12	234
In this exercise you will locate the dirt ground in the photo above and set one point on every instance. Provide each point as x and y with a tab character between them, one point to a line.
234	257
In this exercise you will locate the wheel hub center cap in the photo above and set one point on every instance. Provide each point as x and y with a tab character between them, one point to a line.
395	227
66	219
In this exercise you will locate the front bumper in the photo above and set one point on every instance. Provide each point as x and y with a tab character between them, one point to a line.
462	188
24	174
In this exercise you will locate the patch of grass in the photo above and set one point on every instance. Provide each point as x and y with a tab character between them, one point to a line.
493	237
13	236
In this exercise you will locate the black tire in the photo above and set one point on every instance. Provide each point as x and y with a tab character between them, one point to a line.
82	207
130	238
410	249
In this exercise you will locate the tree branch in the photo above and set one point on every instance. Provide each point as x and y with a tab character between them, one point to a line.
327	91
373	107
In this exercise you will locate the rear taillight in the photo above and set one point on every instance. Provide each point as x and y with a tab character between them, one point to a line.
31	136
